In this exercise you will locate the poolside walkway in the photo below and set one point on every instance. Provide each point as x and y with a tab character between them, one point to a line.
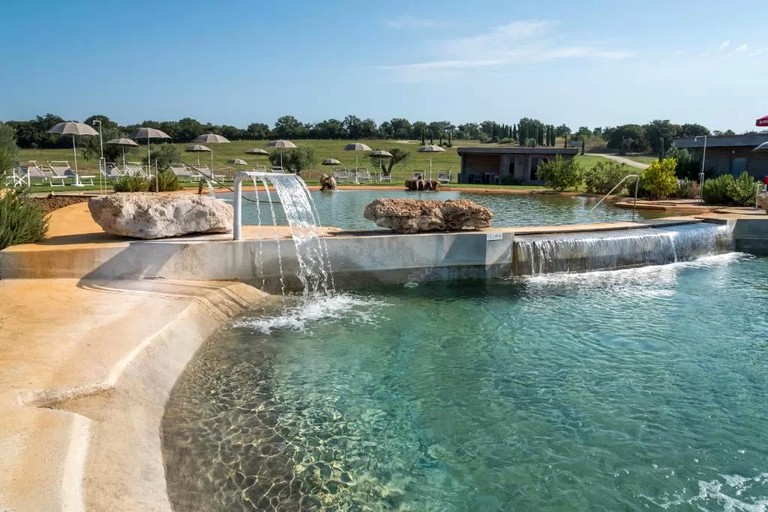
83	364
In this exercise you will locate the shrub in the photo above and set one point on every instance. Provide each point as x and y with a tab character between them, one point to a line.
726	190
716	189
166	181
22	221
742	191
560	174
132	184
294	160
604	176
659	178
687	189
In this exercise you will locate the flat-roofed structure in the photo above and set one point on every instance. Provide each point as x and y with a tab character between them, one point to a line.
512	165
729	154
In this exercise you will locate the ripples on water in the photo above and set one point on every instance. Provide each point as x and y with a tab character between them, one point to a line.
641	389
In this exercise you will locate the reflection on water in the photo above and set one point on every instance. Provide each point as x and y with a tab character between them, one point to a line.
344	209
640	389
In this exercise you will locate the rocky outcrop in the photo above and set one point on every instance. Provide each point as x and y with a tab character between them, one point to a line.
417	216
762	201
327	183
150	216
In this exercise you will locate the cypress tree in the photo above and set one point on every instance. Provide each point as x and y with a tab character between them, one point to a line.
514	133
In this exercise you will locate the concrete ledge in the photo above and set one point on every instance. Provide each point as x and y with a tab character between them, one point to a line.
85	370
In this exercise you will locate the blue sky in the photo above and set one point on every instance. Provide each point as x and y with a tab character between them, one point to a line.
593	63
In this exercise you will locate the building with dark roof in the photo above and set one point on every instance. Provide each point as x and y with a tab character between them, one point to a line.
729	154
507	165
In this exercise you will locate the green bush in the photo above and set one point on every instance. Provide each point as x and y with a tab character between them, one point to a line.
163	155
742	191
716	189
132	184
659	178
560	174
166	181
605	175
22	221
725	190
687	189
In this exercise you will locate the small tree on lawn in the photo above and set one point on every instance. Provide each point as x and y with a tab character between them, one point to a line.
398	156
295	160
561	174
659	178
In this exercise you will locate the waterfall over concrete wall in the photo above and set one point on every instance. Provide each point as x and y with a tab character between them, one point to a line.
602	250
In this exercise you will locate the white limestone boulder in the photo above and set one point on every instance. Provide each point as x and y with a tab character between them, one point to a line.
417	216
149	216
762	201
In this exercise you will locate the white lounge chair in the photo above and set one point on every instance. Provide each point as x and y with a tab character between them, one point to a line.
57	171
34	171
183	172
17	178
134	169
112	171
341	175
363	175
62	168
385	177
444	177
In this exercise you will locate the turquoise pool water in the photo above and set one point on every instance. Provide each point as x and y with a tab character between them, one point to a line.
344	209
641	389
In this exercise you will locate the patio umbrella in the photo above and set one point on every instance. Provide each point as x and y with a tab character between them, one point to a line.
148	133
256	151
431	148
281	144
762	147
211	138
198	148
72	128
238	161
125	143
763	121
356	146
381	154
331	161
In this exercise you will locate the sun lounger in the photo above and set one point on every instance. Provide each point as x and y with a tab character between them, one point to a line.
183	172
134	169
112	171
341	175
363	175
58	172
444	177
385	177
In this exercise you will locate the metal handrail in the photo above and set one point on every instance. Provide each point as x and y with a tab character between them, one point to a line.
634	205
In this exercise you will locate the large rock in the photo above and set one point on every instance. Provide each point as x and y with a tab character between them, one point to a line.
762	201
149	216
416	216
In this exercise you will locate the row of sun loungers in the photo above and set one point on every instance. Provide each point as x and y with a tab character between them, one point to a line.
59	173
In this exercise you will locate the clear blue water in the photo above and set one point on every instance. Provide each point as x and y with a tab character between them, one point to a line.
344	209
641	389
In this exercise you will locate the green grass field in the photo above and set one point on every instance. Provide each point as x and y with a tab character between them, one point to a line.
223	153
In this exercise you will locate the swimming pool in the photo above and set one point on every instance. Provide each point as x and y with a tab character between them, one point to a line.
344	208
640	389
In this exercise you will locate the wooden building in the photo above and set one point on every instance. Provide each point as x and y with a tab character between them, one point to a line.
729	154
507	165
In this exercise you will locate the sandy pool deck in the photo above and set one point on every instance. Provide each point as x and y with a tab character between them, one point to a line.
85	370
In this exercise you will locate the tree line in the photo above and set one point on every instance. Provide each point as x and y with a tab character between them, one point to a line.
654	137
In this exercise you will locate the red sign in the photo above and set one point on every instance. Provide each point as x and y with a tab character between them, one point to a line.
763	121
